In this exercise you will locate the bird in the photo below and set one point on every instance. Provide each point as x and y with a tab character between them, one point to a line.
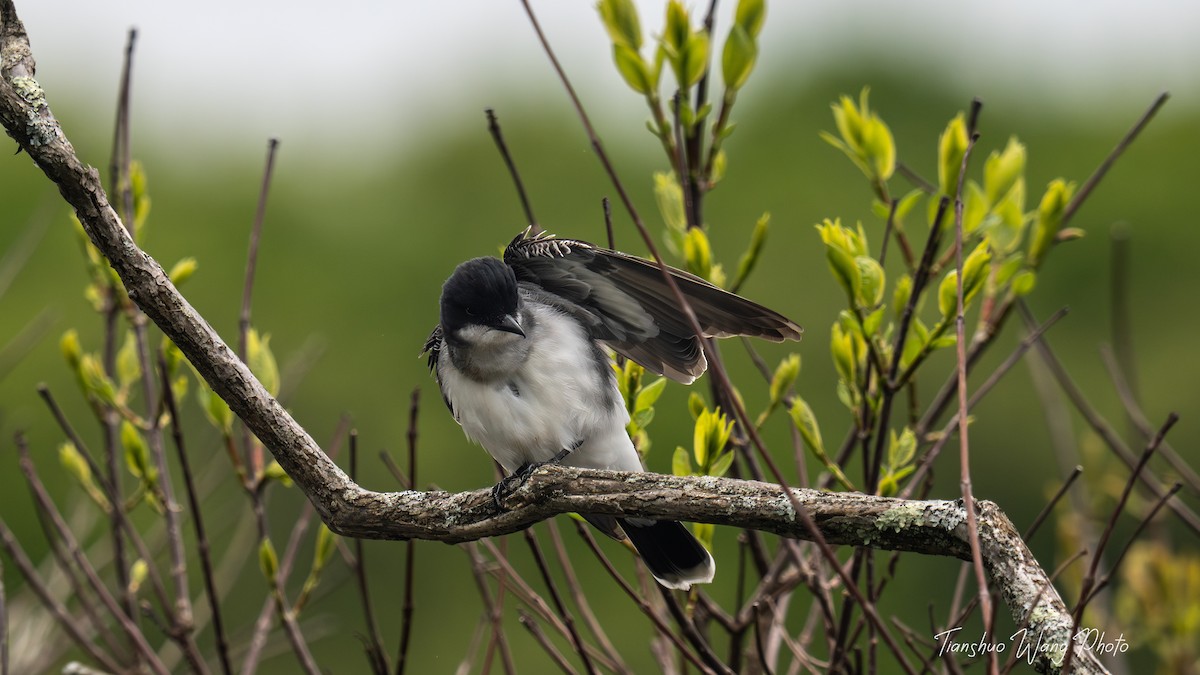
519	355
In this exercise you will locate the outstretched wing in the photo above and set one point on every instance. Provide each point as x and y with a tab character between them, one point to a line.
628	305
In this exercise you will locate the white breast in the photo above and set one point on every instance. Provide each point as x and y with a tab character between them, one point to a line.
549	402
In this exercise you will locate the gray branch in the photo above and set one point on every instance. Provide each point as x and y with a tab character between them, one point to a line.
928	527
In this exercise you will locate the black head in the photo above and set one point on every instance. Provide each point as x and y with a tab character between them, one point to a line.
480	292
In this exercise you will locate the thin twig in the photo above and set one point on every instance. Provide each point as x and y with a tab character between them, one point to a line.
540	636
251	448
374	642
1093	180
203	547
410	552
1049	507
1104	580
964	456
494	128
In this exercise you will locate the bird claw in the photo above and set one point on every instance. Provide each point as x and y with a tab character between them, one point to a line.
513	481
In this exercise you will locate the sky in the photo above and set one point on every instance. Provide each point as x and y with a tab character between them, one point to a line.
398	71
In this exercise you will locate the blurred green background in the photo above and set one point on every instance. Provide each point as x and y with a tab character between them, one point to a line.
378	196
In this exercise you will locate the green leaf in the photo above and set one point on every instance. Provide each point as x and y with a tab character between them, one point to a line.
262	361
649	394
324	547
677	30
95	382
680	464
806	424
76	465
620	19
642	418
141	198
947	340
865	139
669	197
1009	267
633	69
750	258
737	58
274	471
1003	170
841	346
840	253
721	466
720	161
871	281
1049	219
974	275
1024	282
975	207
948	295
952	145
704	533
137	454
218	414
750	15
785	375
70	348
901	295
138	572
873	321
183	270
129	366
697	254
696	405
268	561
695	60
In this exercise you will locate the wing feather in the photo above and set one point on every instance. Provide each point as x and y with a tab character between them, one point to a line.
629	306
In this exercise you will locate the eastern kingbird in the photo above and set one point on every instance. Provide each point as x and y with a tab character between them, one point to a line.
520	361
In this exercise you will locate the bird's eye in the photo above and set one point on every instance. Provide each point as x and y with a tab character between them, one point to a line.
468	311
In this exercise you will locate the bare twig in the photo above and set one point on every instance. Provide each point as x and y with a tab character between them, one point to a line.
494	129
964	456
410	551
374	642
203	547
1093	180
1049	507
534	629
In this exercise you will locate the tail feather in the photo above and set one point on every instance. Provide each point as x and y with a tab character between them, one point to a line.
675	557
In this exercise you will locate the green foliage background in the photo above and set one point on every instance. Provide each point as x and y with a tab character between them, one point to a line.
354	254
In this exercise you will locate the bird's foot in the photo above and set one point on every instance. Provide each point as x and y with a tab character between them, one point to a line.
513	481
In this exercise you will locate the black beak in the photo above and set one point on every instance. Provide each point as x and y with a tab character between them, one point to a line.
509	324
